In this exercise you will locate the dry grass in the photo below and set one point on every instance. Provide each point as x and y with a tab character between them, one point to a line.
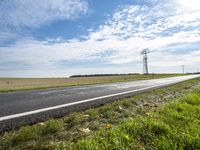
14	84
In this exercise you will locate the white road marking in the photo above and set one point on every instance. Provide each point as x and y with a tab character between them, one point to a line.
88	100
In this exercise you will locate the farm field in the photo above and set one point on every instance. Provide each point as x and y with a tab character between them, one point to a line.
16	84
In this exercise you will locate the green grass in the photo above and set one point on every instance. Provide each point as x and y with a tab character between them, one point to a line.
16	84
166	118
175	125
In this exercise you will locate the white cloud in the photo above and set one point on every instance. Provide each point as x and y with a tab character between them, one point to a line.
34	13
130	29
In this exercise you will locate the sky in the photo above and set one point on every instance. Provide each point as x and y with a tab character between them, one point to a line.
48	38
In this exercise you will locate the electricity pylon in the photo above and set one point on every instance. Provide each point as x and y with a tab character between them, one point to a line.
183	68
144	52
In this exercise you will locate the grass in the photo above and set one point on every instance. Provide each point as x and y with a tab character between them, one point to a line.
175	125
166	118
16	84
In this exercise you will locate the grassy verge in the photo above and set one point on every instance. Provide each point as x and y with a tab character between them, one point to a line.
173	126
16	84
166	118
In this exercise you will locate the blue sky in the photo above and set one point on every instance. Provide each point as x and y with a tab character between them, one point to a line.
47	38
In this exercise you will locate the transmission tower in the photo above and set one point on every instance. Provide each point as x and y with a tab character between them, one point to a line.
144	52
183	68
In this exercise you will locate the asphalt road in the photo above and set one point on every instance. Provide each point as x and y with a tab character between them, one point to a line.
24	107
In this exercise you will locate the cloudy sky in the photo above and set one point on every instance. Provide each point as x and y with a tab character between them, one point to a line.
57	38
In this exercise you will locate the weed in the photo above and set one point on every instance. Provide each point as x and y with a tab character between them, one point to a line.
51	127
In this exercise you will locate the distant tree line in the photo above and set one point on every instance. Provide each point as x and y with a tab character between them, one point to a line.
193	73
98	75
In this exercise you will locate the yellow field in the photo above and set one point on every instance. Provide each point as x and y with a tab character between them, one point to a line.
15	84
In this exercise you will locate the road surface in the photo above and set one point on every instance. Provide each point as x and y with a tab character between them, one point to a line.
22	107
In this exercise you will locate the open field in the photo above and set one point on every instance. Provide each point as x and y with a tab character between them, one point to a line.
166	118
15	84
